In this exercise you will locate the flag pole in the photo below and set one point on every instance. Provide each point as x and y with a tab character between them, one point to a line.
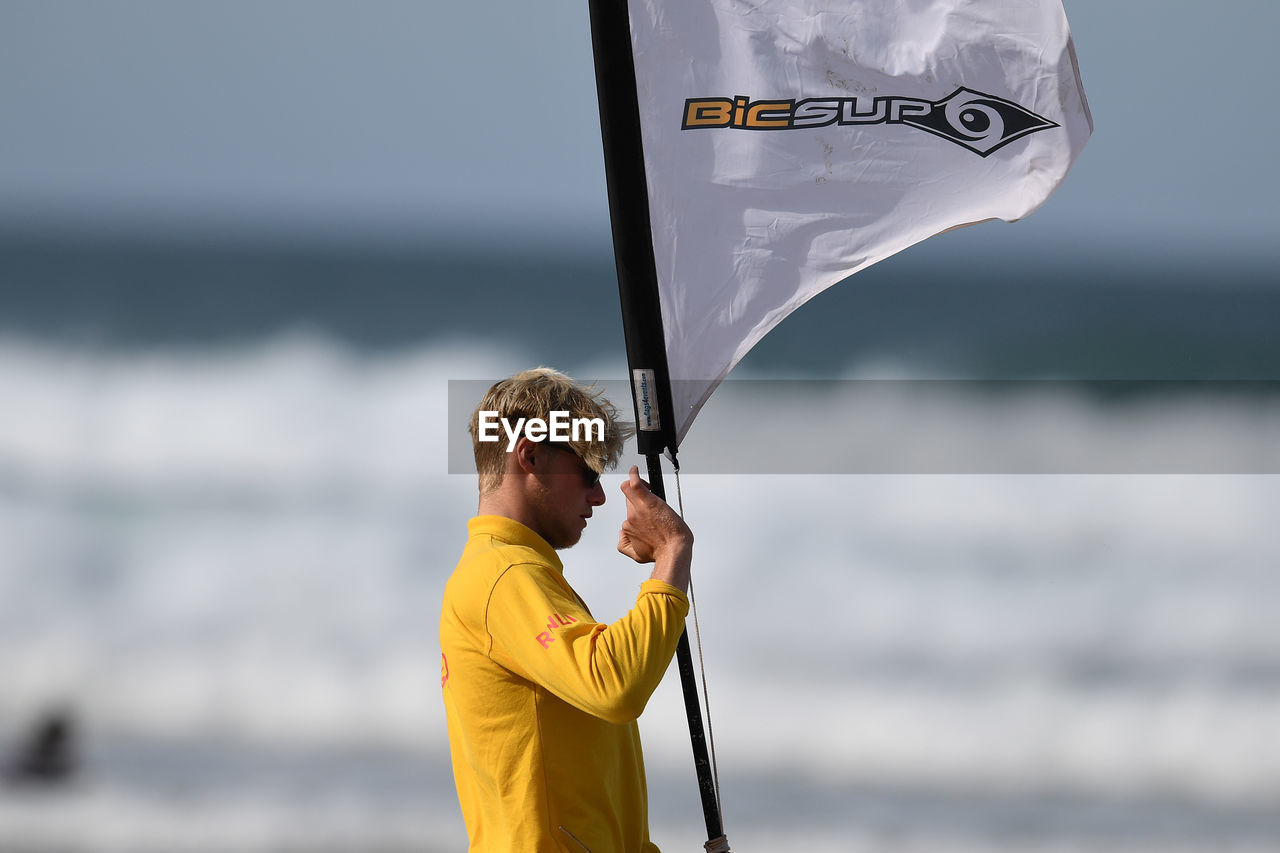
642	316
693	710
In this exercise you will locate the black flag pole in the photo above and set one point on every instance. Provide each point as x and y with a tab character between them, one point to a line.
641	314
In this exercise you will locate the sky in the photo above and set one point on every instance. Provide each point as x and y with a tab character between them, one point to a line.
442	121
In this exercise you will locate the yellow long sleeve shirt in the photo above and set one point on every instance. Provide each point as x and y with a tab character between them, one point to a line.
541	700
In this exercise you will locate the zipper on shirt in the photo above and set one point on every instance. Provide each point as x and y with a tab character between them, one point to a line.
575	839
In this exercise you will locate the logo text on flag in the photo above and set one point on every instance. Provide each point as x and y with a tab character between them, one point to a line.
982	123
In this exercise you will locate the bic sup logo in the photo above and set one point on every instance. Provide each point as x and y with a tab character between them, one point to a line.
982	123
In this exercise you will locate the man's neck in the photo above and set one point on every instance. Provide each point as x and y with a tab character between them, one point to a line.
497	503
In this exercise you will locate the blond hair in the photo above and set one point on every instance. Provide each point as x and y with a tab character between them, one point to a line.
537	393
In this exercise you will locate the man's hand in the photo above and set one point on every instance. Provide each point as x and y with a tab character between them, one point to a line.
654	533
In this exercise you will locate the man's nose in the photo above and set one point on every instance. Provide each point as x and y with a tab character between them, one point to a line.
596	496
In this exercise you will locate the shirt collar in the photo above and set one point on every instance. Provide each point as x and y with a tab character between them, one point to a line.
513	533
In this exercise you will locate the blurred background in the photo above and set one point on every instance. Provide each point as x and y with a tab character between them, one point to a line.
246	247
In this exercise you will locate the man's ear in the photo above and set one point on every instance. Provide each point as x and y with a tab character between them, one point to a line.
527	454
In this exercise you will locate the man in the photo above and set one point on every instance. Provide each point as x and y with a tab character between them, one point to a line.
541	699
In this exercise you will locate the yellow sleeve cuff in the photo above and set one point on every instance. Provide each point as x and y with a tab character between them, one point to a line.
656	587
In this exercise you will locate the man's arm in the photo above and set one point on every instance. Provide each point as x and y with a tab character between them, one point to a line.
654	533
540	630
542	633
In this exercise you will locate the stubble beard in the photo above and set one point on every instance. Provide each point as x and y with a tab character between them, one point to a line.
560	533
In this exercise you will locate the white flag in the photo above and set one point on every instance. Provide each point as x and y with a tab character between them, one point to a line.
790	143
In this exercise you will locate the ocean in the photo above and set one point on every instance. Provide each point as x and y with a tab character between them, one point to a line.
228	508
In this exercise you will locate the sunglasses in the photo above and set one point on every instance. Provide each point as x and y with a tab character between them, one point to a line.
589	475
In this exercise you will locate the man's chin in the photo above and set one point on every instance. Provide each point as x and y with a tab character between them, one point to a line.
568	539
